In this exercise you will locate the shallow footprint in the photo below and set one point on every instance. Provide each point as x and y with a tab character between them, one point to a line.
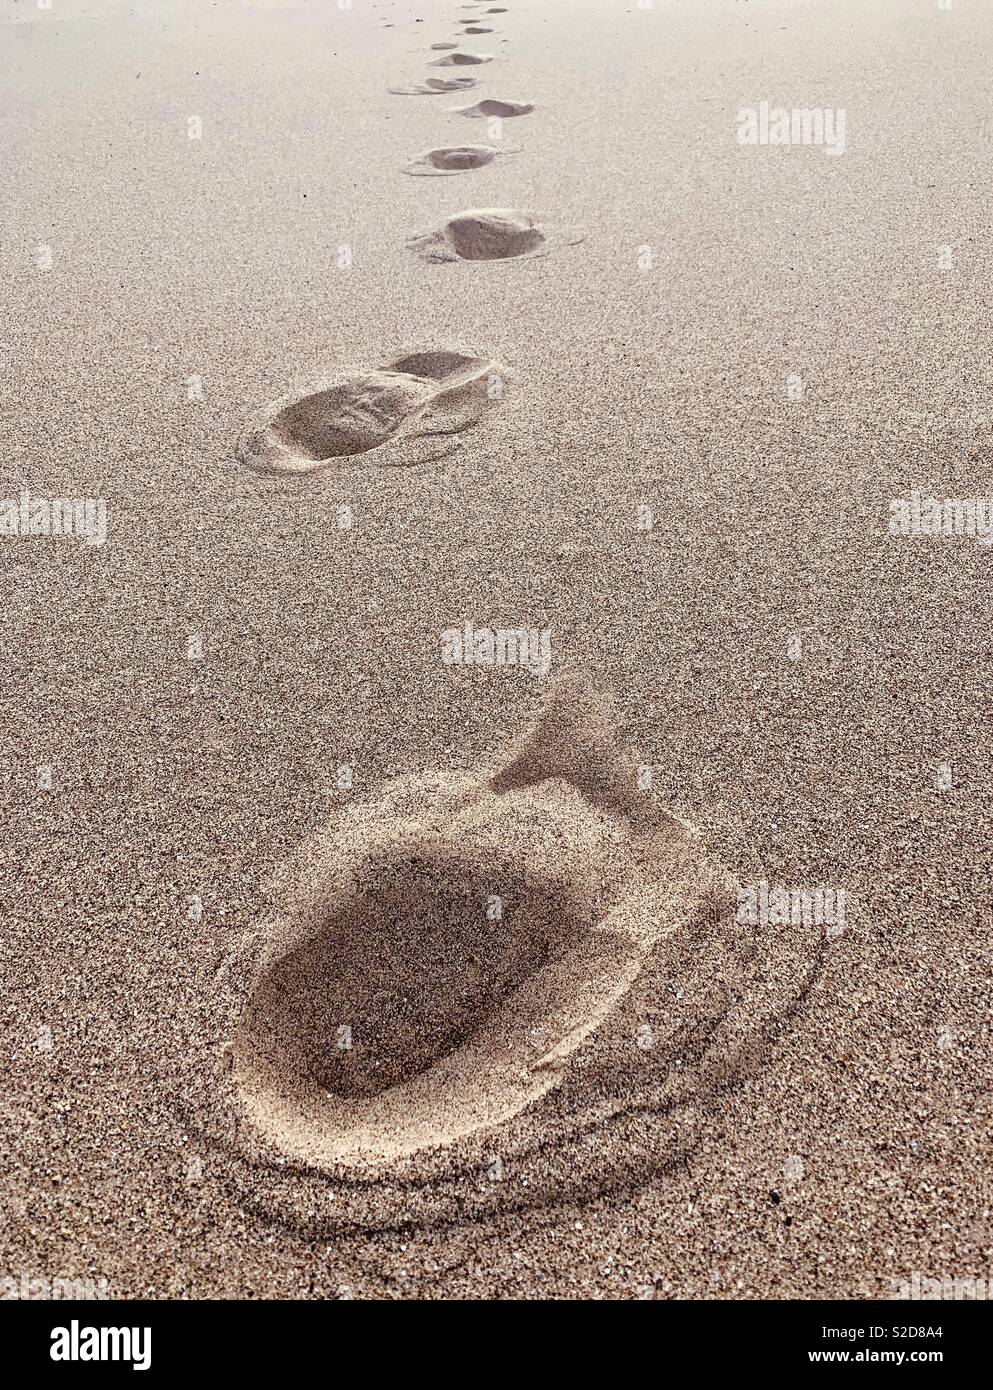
457	60
434	86
491	234
477	30
455	159
409	410
436	46
489	106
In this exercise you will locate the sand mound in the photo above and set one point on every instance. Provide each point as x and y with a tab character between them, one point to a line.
491	107
434	86
481	234
415	401
454	159
454	60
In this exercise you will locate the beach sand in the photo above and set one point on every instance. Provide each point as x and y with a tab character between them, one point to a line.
336	968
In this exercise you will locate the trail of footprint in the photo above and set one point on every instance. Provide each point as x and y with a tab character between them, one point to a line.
491	107
544	937
407	411
434	87
455	159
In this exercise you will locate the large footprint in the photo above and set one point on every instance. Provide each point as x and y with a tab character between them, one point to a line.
467	970
408	412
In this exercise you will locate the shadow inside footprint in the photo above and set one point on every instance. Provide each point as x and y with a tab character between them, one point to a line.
411	969
421	400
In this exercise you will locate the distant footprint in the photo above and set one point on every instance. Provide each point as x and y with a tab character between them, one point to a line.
476	30
491	107
457	60
409	411
434	86
444	45
455	159
491	234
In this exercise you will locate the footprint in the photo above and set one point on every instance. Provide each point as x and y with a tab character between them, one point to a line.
476	30
491	234
444	45
455	60
462	948
490	107
551	988
434	86
408	410
455	159
467	935
481	234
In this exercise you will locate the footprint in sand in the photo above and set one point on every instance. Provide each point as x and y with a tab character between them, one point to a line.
457	60
490	234
455	159
407	411
491	107
460	948
443	45
434	86
477	30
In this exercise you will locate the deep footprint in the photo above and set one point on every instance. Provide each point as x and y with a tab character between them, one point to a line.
400	1008
481	234
413	406
533	967
454	159
491	107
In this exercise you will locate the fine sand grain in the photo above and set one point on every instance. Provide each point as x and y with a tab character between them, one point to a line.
397	796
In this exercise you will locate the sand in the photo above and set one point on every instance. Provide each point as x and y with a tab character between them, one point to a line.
475	633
